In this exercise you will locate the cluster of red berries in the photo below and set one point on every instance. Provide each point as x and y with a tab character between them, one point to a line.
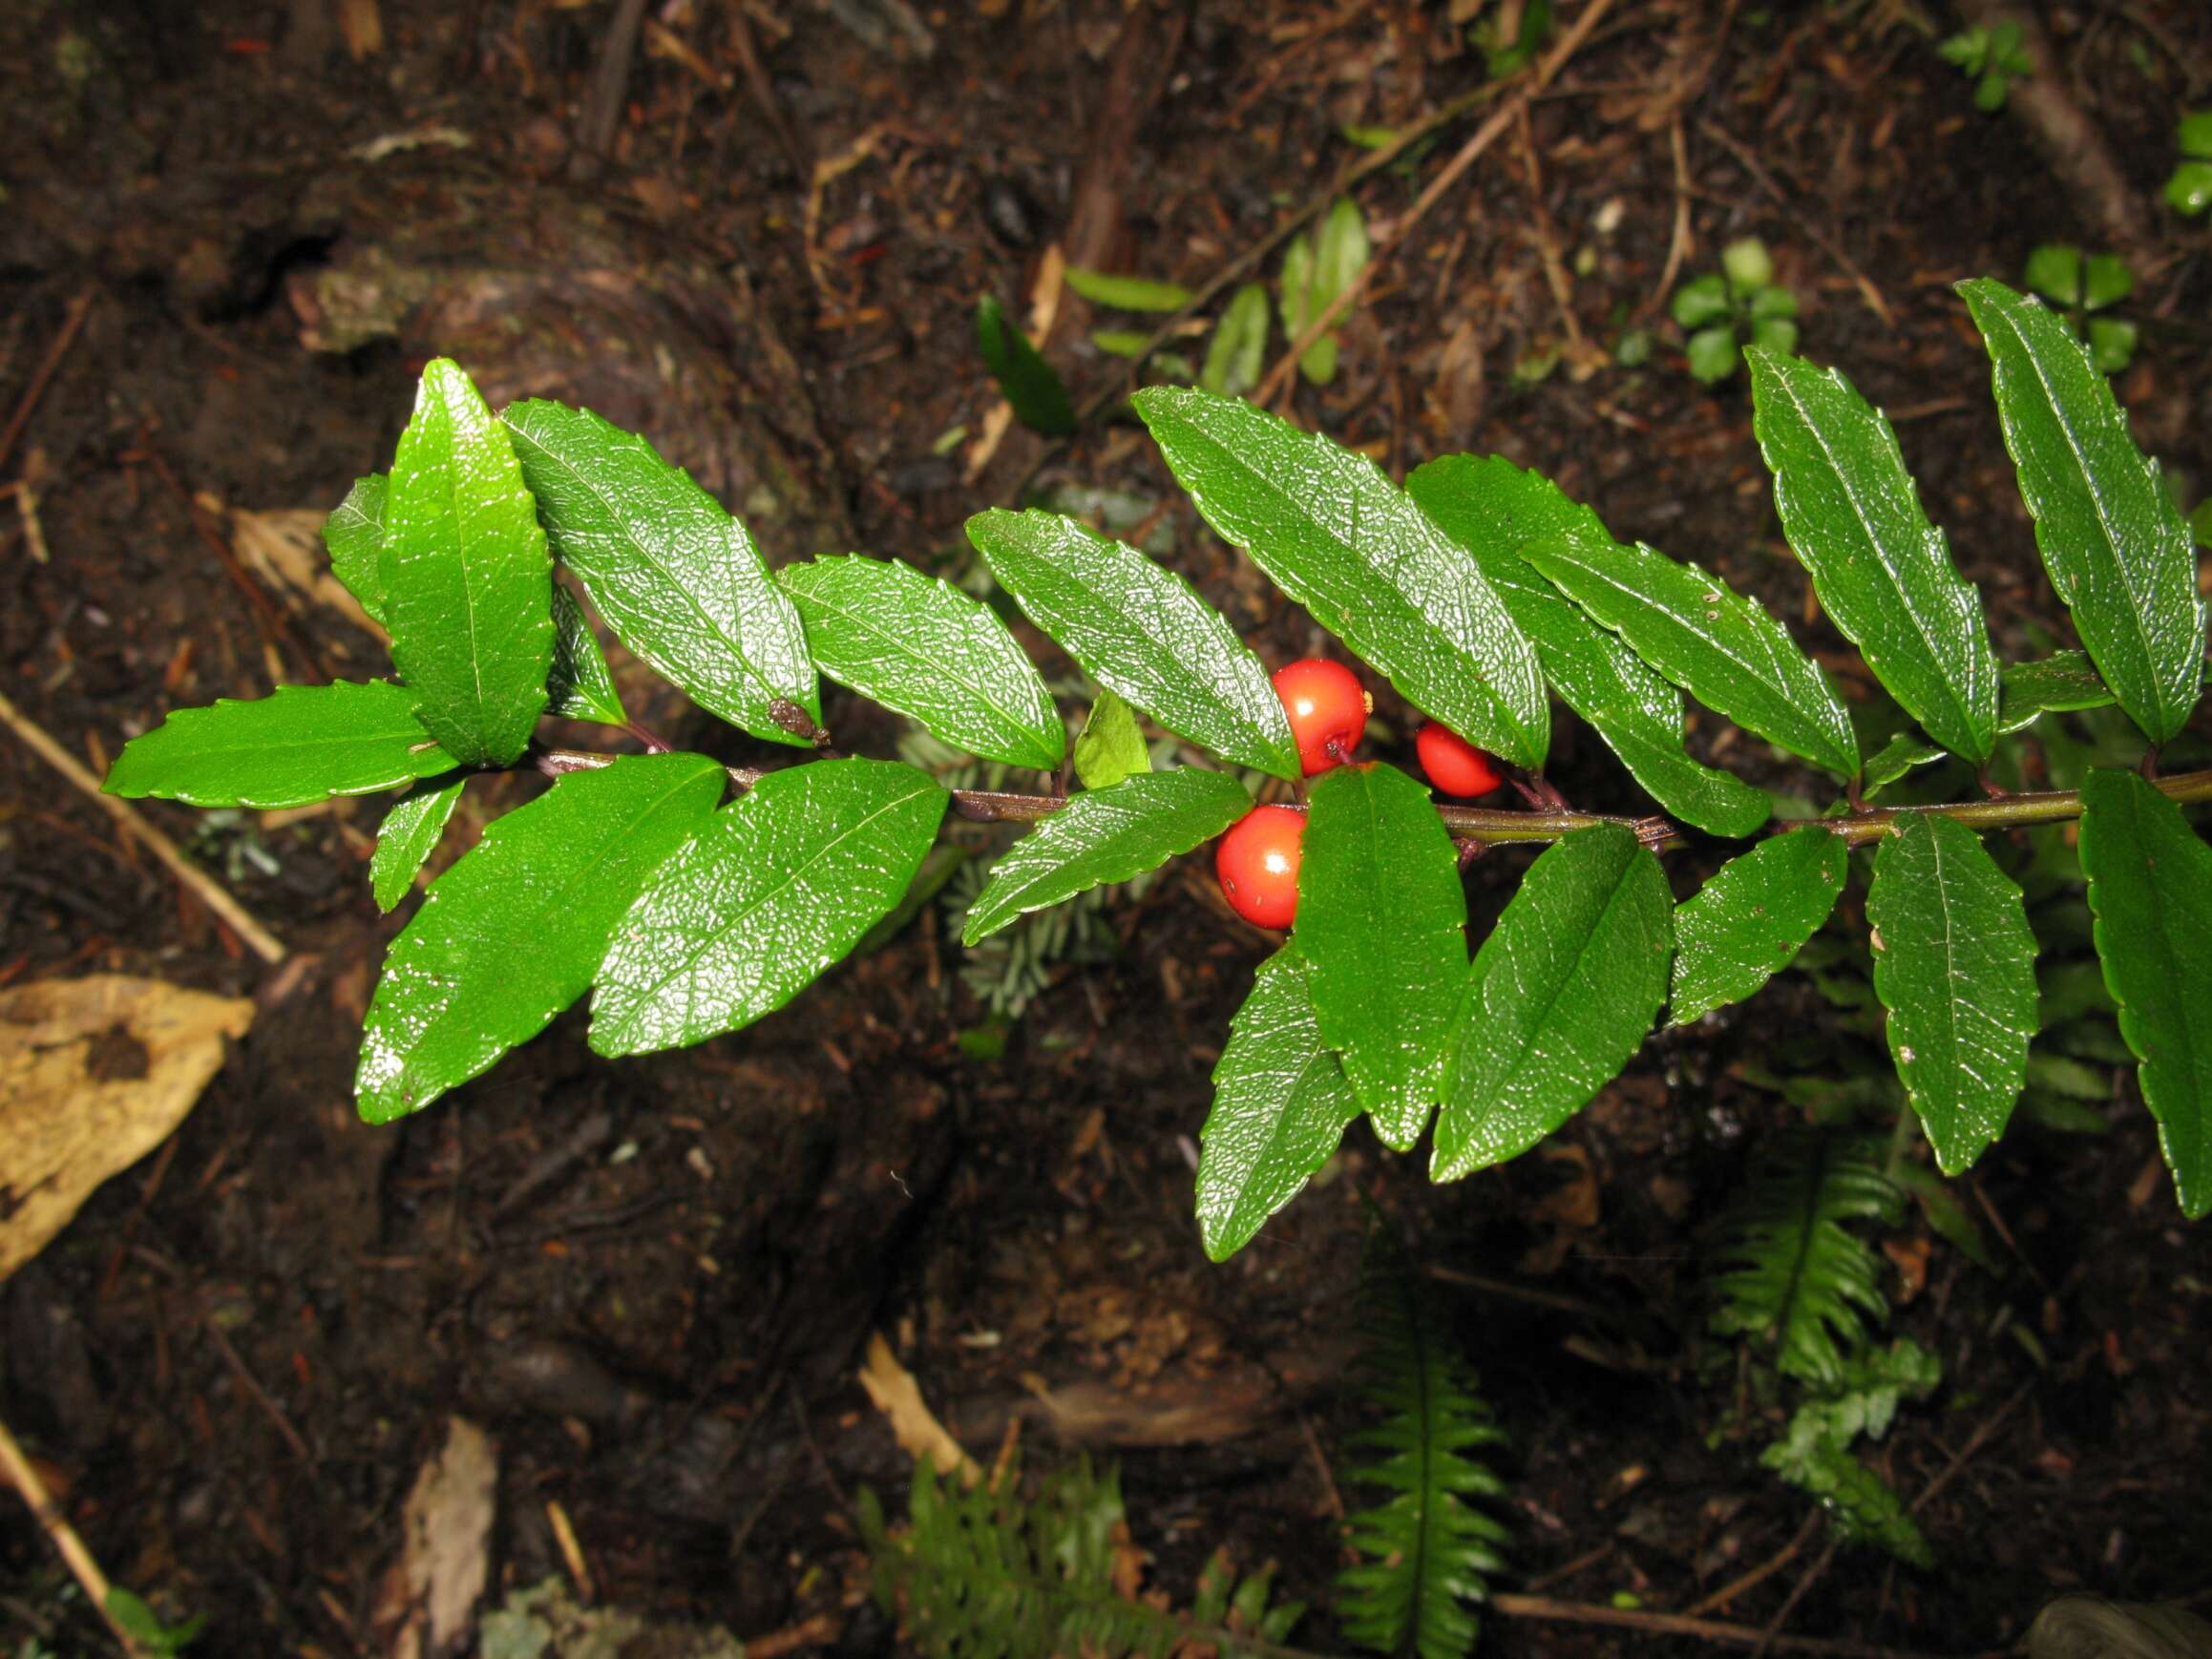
1257	861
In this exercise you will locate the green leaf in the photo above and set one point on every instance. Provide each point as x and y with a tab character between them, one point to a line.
917	644
579	687
778	887
1775	304
513	931
1747	265
355	535
1752	917
2105	280
1384	990
1347	544
1954	963
1881	570
1777	335
677	579
1102	836
2150	885
1713	353
2054	271
1721	648
468	588
1900	754
1560	995
2062	681
2189	188
1237	354
2193	134
1032	387
1700	301
305	743
1280	1106
2113	540
1493	509
1866	1508
408	836
1121	342
1141	631
2112	344
1111	746
1128	293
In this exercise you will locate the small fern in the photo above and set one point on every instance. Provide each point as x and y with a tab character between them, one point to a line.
1793	1275
1814	1454
981	1574
1425	1551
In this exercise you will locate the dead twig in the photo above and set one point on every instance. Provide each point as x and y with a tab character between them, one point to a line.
1737	1588
260	1395
1656	1624
128	818
1820	238
82	1566
610	77
72	320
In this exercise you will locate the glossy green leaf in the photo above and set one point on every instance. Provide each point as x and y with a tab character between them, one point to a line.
1111	746
1723	649
1140	630
1493	509
1031	386
408	836
1236	356
1900	754
1752	917
579	687
1102	836
2113	542
1351	547
1954	963
513	931
1280	1107
2062	681
1127	293
305	743
1382	923
677	579
778	887
1560	994
467	587
354	535
918	645
2150	885
1883	572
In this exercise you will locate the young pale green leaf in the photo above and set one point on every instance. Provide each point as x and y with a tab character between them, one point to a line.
1954	963
513	931
1351	547
580	685
2150	885
780	886
677	579
2062	681
408	836
1111	746
1128	293
1280	1106
1493	509
355	535
1237	354
1382	922
917	644
305	743
1032	387
1881	569
2113	540
1102	836
468	588
1751	918
1723	649
1900	754
1560	995
1141	631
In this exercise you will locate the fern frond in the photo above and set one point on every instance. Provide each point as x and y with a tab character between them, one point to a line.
1866	1508
1792	1274
1425	1551
976	1574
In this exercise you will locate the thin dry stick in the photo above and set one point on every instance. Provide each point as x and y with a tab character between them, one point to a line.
1682	1624
64	338
1759	1574
203	887
59	1533
1679	239
1469	153
1822	239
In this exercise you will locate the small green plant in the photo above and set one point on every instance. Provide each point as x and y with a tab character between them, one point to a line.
1739	304
1317	268
2189	187
1512	36
2082	286
1995	57
145	1626
1032	387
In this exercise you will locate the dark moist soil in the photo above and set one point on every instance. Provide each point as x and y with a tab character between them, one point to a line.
652	1282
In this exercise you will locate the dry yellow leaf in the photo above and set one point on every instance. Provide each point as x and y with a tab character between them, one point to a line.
899	1397
94	1074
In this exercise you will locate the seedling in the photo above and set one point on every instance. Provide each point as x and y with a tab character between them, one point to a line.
2189	188
1315	269
1737	305
1995	57
2082	286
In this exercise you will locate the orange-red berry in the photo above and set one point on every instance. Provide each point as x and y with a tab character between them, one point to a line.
1258	862
1328	708
1454	765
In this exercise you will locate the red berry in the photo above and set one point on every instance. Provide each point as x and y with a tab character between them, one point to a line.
1454	765
1328	708
1258	862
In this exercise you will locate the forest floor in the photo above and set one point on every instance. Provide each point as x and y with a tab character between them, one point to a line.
653	1283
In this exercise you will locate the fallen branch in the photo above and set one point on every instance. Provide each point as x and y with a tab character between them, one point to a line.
1656	1624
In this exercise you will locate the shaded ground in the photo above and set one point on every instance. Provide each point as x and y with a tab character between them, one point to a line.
651	1281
